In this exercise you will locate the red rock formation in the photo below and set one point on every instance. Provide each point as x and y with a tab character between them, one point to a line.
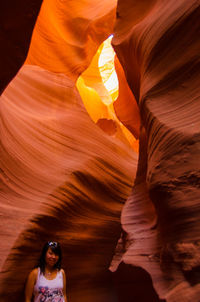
62	178
67	34
159	51
125	106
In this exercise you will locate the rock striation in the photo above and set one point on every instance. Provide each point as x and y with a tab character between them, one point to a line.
62	178
65	177
158	46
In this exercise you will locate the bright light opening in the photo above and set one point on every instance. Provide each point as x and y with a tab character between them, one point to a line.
107	70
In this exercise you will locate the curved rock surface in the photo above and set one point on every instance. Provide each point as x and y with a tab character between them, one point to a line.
61	178
126	108
159	51
68	33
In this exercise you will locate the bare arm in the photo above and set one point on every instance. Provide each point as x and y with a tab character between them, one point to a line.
64	286
30	284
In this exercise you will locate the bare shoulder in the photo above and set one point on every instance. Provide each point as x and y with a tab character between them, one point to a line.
33	274
63	272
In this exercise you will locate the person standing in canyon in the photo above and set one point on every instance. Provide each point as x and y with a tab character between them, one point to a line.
47	282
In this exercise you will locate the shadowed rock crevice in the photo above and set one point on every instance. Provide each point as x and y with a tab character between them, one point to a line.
134	284
17	21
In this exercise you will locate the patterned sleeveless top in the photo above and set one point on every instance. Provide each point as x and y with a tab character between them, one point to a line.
48	290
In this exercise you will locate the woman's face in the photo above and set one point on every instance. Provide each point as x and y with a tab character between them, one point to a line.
51	258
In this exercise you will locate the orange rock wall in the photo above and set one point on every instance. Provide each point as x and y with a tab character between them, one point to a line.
159	51
63	178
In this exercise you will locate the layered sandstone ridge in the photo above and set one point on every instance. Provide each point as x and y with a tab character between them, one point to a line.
63	178
67	34
159	51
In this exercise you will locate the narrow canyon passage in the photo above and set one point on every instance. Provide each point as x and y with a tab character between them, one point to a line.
99	146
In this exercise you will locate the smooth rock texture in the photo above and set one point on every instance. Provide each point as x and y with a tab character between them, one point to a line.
68	33
65	177
159	50
101	91
126	108
62	179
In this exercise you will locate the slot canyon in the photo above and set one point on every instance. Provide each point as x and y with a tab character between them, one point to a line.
100	146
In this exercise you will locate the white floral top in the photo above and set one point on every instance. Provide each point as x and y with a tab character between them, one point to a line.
49	290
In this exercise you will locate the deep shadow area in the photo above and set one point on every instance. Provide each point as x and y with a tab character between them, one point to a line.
17	20
134	284
193	276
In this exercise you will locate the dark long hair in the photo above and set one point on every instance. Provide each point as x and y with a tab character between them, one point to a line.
55	247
